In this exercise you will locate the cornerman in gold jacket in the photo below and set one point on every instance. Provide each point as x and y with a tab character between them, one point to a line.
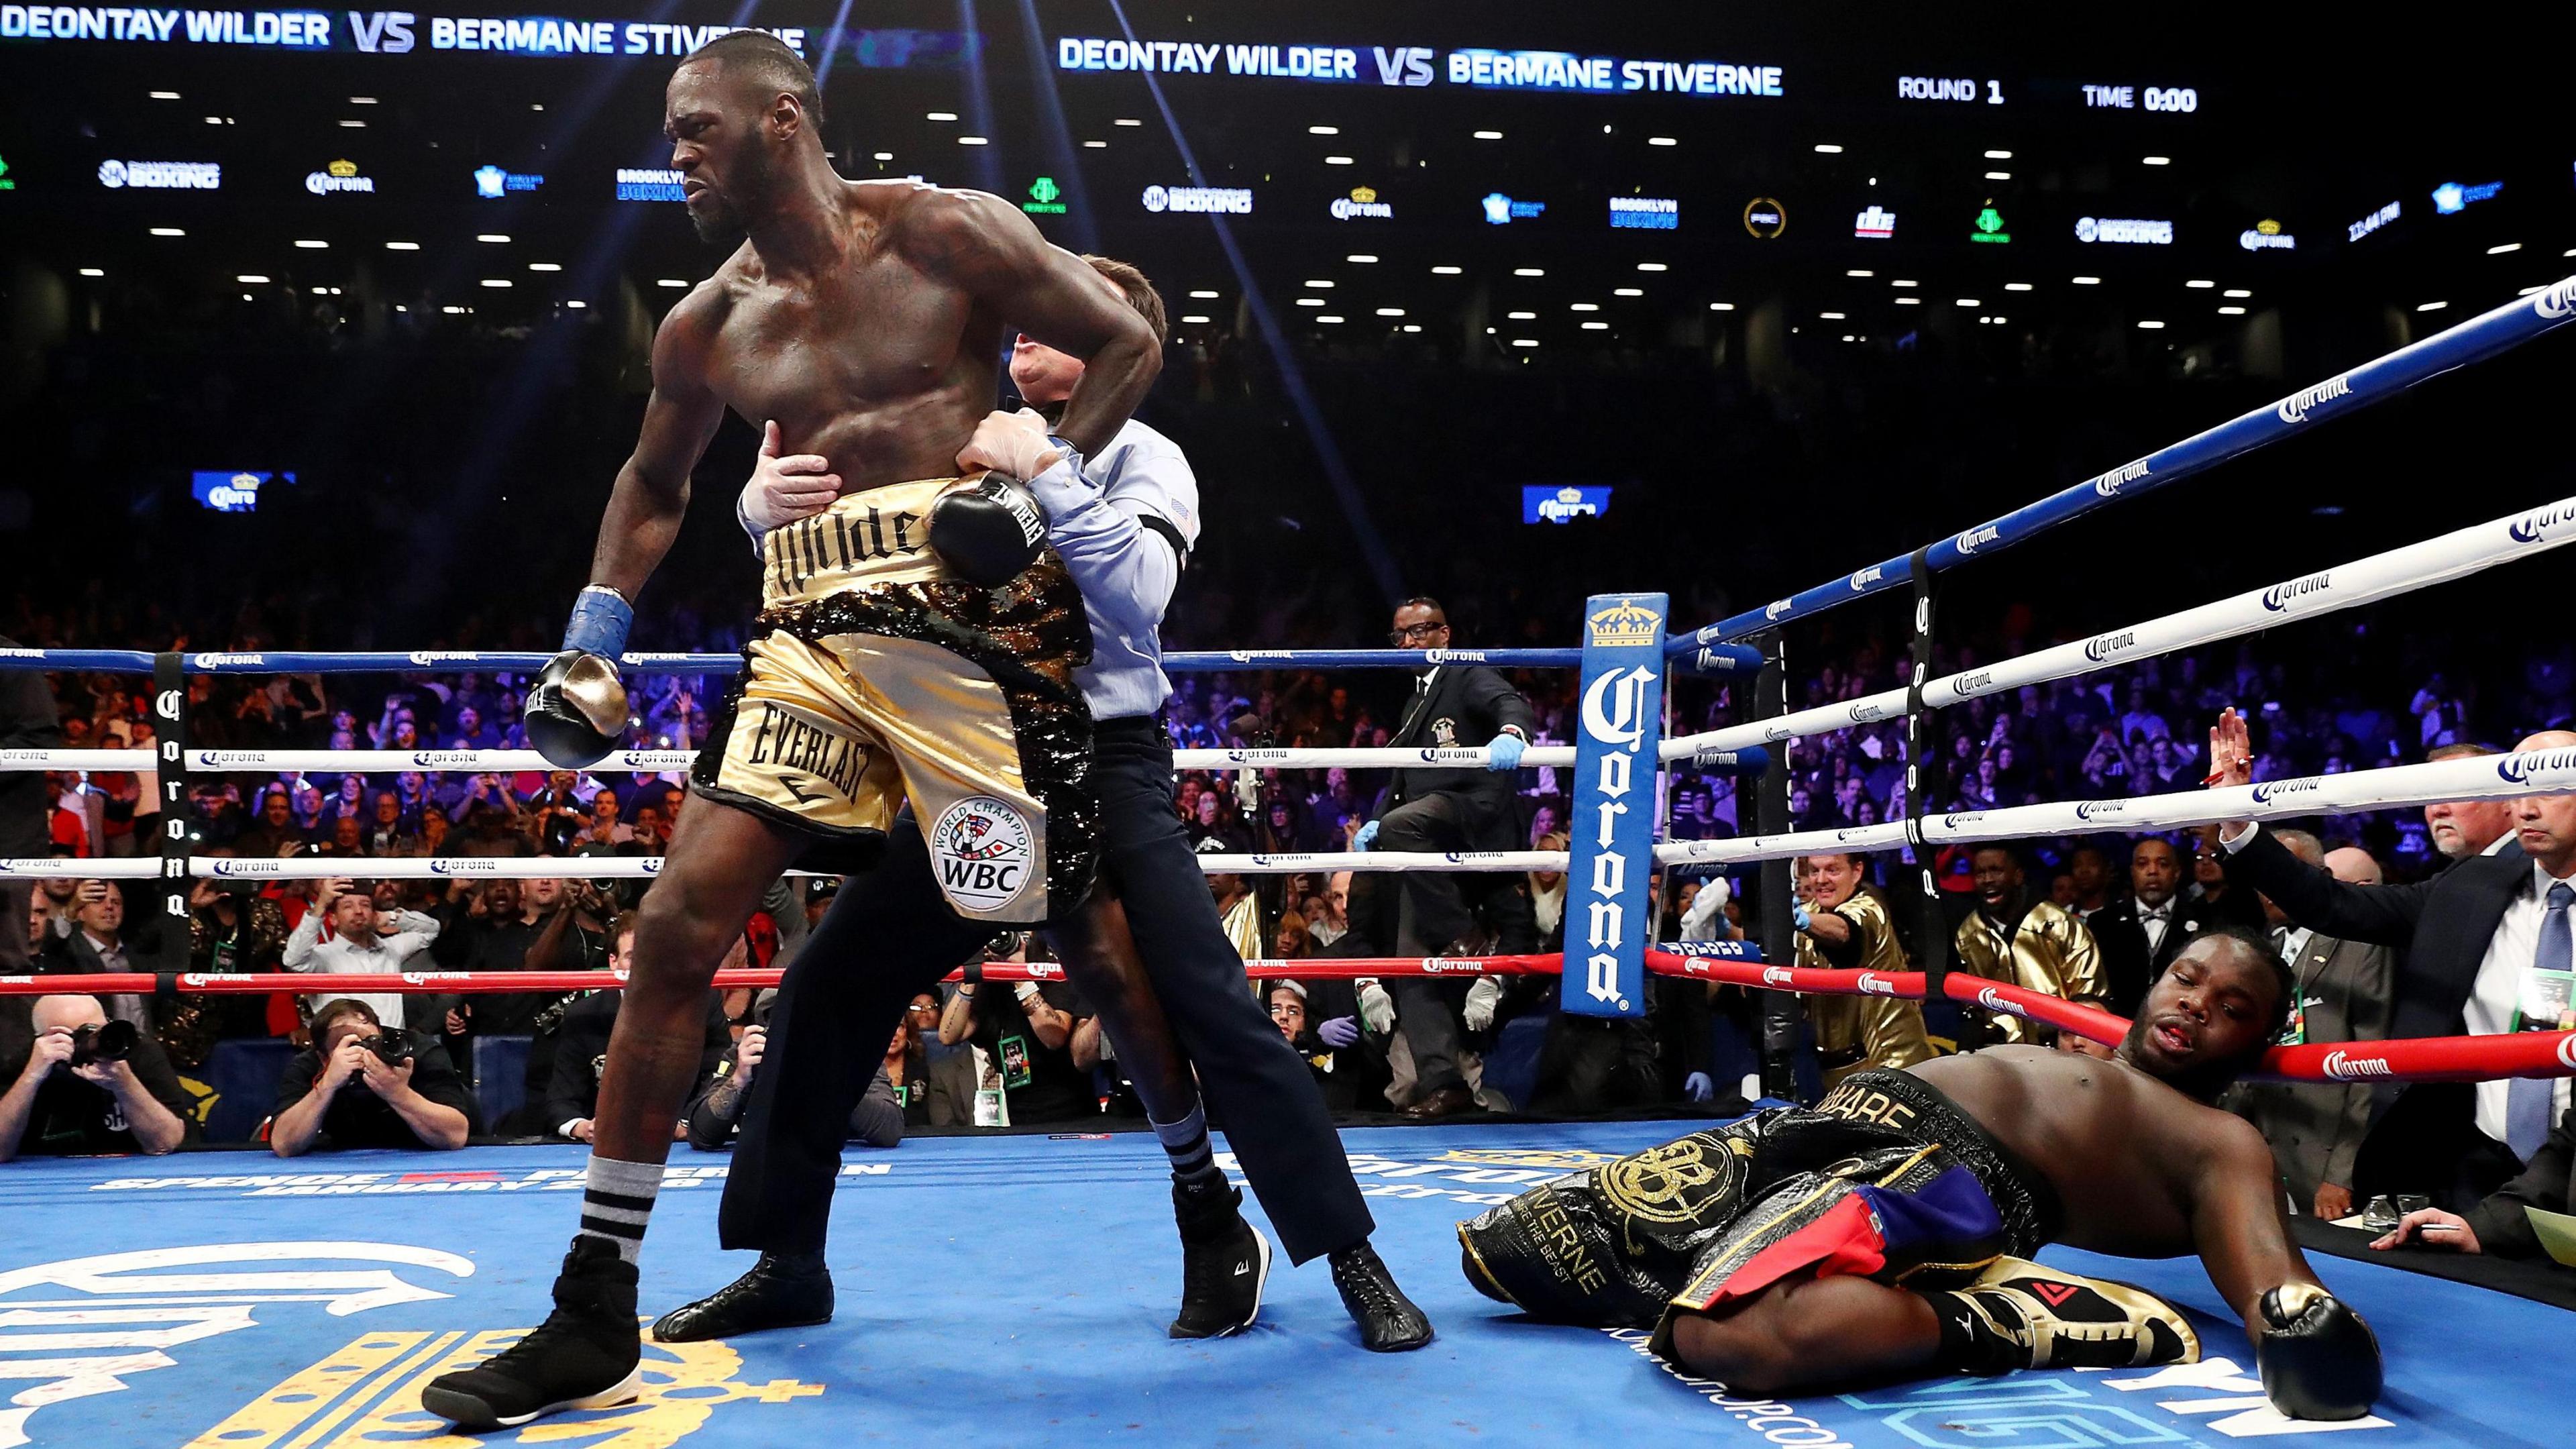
1848	928
2031	943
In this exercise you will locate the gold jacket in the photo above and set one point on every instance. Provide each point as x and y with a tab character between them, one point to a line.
2048	950
1854	1033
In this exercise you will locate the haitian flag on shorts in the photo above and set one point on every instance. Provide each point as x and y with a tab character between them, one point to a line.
1620	723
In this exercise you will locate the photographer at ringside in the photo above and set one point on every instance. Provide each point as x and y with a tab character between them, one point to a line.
363	1085
85	1085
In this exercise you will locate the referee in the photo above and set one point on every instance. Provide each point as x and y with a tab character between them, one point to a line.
1123	523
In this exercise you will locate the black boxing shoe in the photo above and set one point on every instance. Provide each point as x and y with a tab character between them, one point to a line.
782	1290
1225	1263
584	1356
1389	1323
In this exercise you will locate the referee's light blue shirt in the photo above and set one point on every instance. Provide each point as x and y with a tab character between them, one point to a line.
1125	570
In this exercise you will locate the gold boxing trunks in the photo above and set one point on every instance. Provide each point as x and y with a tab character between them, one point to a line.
874	677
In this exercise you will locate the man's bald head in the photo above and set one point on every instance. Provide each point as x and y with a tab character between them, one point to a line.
2354	866
2302	844
74	1012
766	64
2545	825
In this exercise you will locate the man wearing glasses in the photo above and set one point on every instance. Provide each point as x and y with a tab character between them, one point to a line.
1441	809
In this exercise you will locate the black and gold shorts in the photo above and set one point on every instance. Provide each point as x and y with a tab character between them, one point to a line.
874	678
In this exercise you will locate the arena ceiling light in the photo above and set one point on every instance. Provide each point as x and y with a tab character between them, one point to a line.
2236	292
1310	301
973	141
1320	285
1999	155
164	95
1489	135
1337	161
1585	307
1327	317
545	266
1525	342
1412	326
941	116
1828	148
362	100
167	231
453	311
351	123
2016	286
1323	130
1194	319
402	246
1390	311
1520	316
576	304
1204	295
311	245
214	120
1529	271
1447	271
2231	311
1362	258
1970	302
92	272
1596	326
1909	301
494	237
2151	325
1833	317
1999	176
2500	250
1126	121
1092	145
1652	267
672	282
251	279
2431	306
1721	306
2155	161
2086	281
1661	141
1860	272
1627	291
496	281
2200	284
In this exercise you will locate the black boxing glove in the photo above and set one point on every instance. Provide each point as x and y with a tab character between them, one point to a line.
988	531
576	709
2318	1359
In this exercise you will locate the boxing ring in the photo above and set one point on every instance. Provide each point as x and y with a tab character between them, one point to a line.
1014	1288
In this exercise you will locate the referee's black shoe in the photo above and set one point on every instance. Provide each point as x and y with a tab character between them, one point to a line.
1225	1262
1389	1322
782	1290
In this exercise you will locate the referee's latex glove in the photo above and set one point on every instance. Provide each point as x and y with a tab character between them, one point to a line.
1367	837
1698	1087
1482	998
1504	753
1706	919
1377	1008
785	488
1339	1032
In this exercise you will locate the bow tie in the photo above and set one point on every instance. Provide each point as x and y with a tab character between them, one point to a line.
2156	913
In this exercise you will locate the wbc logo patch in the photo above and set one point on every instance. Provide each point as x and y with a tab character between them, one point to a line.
983	849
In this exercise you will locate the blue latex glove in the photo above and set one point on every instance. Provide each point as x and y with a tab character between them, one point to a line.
1698	1087
1505	752
1339	1032
1366	838
1800	917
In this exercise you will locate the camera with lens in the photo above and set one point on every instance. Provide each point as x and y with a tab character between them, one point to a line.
111	1041
391	1047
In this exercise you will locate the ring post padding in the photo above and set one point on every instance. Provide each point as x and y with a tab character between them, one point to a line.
1618	723
1922	782
1781	1014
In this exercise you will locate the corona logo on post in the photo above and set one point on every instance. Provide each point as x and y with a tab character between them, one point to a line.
1619	721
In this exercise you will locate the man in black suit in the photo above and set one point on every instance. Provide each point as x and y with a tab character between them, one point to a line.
2142	932
2499	1225
1454	706
581	1048
27	722
2468	937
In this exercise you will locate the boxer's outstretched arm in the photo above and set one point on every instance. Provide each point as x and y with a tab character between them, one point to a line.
652	490
2238	1224
986	246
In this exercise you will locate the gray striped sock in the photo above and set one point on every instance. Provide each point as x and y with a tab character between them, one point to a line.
1186	1143
617	1201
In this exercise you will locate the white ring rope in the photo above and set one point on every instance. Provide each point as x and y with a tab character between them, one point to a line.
2363	581
646	762
646	867
2479	777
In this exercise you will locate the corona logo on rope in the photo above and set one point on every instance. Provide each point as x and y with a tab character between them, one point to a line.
1976	538
1873	984
2110	484
2296	407
1776	608
2271	790
2103	646
442	759
2278	598
1453	656
2100	809
2343	1066
1776	976
2556	300
1246	656
2533	527
426	657
2523	767
220	661
2567	1050
1961	819
1451	966
1861	581
1991	1000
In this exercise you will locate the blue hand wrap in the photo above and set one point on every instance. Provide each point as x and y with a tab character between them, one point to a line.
600	618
